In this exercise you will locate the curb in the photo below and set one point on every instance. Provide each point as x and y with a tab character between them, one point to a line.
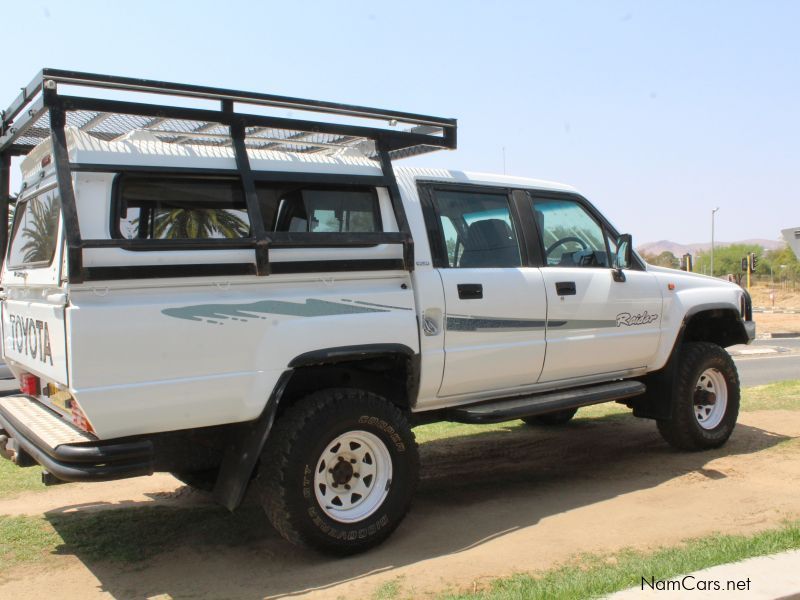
782	335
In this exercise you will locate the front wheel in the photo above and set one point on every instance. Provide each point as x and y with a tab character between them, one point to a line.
706	400
339	472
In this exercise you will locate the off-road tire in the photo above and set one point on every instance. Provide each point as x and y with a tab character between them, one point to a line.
561	417
289	462
683	431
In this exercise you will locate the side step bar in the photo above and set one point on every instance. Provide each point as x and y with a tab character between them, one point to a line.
498	411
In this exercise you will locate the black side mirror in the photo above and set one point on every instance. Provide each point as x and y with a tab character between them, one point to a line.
623	258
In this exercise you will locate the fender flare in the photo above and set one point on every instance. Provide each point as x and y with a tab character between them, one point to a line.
656	402
241	457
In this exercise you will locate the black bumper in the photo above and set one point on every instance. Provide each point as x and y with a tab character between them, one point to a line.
92	461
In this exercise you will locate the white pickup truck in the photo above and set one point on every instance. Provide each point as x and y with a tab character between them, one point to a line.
239	296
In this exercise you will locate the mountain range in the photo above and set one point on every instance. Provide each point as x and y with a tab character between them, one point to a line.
656	248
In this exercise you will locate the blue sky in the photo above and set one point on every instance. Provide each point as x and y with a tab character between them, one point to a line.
657	111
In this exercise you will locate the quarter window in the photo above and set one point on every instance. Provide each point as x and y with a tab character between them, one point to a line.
172	208
477	229
319	209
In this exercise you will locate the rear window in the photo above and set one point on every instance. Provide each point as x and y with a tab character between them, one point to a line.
181	209
320	209
35	233
162	208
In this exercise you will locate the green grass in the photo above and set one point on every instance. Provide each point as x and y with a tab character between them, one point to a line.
14	480
387	591
784	395
124	535
595	575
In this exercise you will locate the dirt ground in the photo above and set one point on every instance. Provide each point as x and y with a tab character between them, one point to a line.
488	505
777	322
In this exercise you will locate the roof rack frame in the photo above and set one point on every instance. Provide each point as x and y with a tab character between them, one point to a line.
41	96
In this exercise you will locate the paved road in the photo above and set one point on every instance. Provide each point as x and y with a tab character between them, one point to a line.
760	369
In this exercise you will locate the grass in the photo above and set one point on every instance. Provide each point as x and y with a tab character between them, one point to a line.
595	575
784	395
387	591
14	481
123	535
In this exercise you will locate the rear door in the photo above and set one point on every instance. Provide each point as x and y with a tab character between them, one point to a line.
34	335
495	305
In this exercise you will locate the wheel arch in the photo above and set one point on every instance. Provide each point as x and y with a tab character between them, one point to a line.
390	370
718	323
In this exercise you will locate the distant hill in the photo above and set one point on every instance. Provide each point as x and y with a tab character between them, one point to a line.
656	248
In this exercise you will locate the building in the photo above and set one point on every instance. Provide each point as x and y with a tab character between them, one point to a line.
792	237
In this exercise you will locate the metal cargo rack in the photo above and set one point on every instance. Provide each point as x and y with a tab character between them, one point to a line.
41	112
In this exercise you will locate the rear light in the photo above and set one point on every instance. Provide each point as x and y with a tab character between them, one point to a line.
79	419
29	384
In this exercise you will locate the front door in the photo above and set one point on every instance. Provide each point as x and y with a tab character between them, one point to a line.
597	322
495	305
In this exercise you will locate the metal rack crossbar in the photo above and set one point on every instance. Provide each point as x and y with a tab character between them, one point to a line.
41	112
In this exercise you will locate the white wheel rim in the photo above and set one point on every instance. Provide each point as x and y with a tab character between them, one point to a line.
710	398
353	476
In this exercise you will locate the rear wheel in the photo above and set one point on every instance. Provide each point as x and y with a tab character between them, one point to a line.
706	400
560	417
339	471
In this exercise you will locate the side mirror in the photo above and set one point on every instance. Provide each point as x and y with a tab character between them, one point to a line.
623	258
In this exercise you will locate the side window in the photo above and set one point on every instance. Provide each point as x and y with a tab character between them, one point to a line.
171	208
35	233
324	210
571	236
477	229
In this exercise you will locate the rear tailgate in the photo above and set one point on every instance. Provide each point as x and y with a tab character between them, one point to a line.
34	335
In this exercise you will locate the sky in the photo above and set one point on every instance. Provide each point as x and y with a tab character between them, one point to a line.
656	111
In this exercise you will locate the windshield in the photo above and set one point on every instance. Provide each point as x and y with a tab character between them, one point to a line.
34	238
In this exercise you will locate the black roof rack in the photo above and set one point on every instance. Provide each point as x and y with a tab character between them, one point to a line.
42	112
25	122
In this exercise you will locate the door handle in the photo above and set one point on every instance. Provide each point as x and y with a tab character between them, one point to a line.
566	288
470	291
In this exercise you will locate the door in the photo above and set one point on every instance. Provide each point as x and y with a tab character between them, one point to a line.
598	321
495	306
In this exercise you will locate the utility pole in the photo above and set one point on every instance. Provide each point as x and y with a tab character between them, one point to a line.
713	212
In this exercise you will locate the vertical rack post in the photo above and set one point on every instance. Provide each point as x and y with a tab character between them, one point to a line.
69	211
397	204
258	231
5	198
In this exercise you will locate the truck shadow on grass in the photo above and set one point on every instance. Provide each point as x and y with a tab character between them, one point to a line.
473	488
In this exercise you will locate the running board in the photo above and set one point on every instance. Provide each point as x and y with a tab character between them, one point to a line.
498	411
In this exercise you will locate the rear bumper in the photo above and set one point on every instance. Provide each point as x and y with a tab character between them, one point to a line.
68	453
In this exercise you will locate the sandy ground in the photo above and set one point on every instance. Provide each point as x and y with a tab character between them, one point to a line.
777	322
488	506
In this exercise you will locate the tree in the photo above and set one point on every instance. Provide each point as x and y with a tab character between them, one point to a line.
40	232
182	223
727	259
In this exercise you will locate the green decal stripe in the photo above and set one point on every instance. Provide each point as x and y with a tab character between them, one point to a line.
476	323
216	313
